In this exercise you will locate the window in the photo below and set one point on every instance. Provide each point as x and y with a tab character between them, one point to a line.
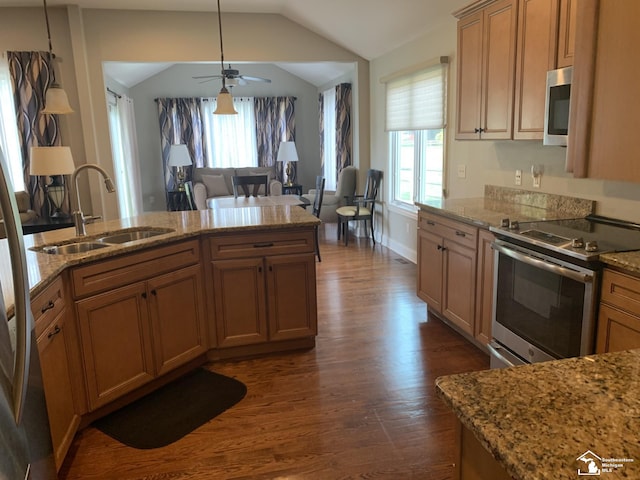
9	139
416	120
231	139
329	166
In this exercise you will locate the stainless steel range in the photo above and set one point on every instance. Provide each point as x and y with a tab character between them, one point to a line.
546	285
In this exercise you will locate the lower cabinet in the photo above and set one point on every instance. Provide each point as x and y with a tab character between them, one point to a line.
59	359
131	334
455	273
619	313
263	288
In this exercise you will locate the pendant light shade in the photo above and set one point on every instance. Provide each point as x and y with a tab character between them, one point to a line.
56	100
224	101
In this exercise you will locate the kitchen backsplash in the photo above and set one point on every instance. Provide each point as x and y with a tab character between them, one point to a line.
579	207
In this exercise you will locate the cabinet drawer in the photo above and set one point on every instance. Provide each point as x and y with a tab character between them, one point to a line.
110	274
47	305
621	290
258	245
450	229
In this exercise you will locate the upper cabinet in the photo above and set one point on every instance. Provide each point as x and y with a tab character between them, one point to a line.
505	48
486	59
604	94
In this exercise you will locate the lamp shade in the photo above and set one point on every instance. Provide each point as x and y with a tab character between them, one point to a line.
179	156
56	101
51	161
287	152
224	103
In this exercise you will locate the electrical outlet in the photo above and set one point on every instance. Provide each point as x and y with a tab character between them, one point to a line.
462	171
518	177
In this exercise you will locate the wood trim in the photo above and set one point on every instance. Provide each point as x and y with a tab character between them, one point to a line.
472	8
581	110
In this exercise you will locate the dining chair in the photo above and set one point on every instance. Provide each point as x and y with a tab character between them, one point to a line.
317	205
244	181
360	207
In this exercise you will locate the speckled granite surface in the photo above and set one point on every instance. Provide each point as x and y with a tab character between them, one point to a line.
43	268
536	420
629	261
501	202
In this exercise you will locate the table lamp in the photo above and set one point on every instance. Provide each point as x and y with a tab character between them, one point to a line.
179	157
288	154
52	162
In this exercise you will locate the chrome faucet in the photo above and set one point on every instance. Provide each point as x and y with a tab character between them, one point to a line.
79	220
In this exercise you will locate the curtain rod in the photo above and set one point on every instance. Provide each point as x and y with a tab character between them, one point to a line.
117	95
206	99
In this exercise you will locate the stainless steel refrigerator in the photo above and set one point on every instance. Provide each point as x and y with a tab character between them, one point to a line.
25	442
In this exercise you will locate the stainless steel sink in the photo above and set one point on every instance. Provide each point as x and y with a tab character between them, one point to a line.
71	248
132	236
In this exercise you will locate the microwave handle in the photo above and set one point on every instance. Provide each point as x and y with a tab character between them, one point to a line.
549	267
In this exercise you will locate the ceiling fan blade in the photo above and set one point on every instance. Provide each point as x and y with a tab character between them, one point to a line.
255	79
206	76
207	81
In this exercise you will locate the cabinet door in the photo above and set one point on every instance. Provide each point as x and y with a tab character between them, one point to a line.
291	296
617	330
240	305
499	50
116	343
484	287
566	33
55	347
537	48
458	303
177	318
430	269
470	31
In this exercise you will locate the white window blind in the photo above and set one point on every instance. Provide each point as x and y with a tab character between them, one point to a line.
417	101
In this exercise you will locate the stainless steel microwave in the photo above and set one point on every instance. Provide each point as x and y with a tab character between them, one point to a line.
558	101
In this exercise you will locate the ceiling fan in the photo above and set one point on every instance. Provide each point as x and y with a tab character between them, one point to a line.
232	77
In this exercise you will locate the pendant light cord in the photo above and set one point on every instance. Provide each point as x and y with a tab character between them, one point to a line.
46	19
221	49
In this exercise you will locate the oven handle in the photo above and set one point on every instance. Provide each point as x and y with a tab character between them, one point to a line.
494	350
550	267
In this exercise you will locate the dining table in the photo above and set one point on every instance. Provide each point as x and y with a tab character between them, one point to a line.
268	201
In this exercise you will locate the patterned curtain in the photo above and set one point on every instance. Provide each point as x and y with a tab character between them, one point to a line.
275	123
343	126
31	75
321	125
181	123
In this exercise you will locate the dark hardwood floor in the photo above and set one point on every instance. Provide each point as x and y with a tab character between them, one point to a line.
360	405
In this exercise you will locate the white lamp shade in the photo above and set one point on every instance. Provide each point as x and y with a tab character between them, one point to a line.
51	161
224	103
287	152
179	156
56	101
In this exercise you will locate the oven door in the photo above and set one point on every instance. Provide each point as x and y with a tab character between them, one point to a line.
543	307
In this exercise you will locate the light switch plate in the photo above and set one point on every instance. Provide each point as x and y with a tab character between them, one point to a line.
462	171
518	177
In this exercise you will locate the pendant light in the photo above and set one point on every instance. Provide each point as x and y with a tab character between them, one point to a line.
56	100
224	101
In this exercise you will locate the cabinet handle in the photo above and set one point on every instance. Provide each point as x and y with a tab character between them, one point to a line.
262	245
144	295
154	293
48	306
460	234
259	269
270	268
55	332
431	222
476	130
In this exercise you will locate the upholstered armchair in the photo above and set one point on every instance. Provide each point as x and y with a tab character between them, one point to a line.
346	188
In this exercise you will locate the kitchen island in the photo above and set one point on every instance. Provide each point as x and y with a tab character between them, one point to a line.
549	420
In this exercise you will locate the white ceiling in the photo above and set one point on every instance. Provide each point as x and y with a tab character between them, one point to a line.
369	28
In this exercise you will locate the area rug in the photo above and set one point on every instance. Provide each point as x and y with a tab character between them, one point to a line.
172	411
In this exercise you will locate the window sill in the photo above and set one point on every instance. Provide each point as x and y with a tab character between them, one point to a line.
409	211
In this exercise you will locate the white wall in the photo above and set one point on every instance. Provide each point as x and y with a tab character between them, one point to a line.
487	162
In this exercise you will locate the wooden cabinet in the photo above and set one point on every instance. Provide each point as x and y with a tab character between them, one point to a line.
567	33
447	274
619	313
486	59
484	287
59	359
604	100
139	316
536	55
263	287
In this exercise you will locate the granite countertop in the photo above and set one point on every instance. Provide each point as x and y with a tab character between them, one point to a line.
537	420
43	268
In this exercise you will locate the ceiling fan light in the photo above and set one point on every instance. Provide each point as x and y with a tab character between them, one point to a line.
56	101
224	103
